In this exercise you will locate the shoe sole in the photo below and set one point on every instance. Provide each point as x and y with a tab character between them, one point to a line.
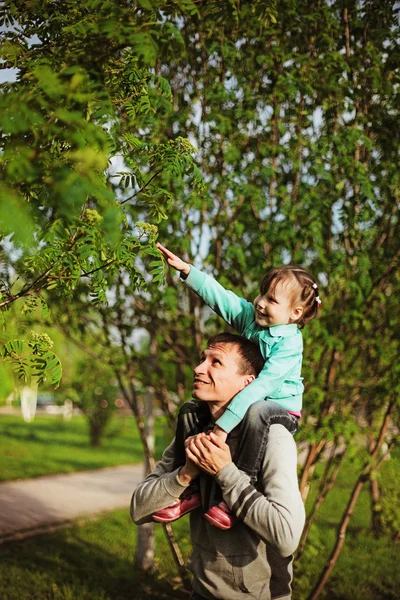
216	523
172	519
166	520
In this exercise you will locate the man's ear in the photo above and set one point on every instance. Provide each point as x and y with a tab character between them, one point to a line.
296	314
248	379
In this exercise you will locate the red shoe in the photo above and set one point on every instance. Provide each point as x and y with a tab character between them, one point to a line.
182	506
221	516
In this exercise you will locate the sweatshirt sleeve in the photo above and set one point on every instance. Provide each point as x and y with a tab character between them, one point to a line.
158	490
284	358
234	310
276	512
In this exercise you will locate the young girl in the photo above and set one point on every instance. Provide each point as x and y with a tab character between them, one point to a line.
288	299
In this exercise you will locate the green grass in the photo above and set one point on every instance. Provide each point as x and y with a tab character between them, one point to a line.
50	445
93	561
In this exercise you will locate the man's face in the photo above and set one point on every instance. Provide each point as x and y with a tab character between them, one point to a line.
216	378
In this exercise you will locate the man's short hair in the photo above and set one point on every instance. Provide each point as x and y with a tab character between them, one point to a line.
251	361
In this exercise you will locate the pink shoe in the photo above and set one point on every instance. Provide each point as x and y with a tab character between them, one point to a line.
221	516
182	506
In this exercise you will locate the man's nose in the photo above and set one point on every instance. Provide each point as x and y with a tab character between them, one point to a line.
199	368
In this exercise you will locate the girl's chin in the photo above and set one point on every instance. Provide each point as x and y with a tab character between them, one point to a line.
261	320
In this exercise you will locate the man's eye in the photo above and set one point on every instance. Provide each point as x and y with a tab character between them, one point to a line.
217	362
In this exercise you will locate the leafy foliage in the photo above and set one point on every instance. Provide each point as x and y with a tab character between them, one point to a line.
83	101
33	360
64	121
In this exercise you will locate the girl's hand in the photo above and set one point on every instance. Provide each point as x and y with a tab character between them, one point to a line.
220	433
173	260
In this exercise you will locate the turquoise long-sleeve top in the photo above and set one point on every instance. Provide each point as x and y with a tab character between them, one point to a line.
281	347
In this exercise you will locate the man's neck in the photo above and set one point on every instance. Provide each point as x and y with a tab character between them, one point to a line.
217	409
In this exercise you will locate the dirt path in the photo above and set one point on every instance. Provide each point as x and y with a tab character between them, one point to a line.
30	506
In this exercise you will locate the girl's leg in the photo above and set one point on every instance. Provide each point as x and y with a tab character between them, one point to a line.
253	440
254	430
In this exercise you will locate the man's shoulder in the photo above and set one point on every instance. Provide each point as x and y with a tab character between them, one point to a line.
280	440
279	432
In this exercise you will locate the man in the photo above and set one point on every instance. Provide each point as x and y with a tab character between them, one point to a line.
253	558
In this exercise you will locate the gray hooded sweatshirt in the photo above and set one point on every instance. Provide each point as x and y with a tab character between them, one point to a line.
253	559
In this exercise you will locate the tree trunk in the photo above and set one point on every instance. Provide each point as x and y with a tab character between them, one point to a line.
309	466
96	431
176	553
145	548
376	521
340	538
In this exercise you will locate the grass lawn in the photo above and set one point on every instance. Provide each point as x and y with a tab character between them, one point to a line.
94	560
50	445
89	561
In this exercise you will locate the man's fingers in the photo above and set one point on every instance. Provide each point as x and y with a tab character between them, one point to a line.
191	438
205	442
192	455
195	442
197	447
216	440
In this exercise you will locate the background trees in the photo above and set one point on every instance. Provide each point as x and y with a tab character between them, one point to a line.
83	85
293	114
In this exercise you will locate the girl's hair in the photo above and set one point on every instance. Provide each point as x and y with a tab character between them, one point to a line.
304	289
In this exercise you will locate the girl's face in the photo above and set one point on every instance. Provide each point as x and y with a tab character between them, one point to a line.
276	308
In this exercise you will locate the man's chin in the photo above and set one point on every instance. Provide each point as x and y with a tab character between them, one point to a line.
198	395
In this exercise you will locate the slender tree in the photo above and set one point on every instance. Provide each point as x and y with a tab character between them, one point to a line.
295	119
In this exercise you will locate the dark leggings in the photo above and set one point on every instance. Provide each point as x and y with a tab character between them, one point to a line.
195	596
194	417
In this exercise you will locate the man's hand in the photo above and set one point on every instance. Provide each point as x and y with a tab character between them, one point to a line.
173	260
208	452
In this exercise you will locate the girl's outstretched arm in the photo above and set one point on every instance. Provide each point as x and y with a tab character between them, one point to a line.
173	260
